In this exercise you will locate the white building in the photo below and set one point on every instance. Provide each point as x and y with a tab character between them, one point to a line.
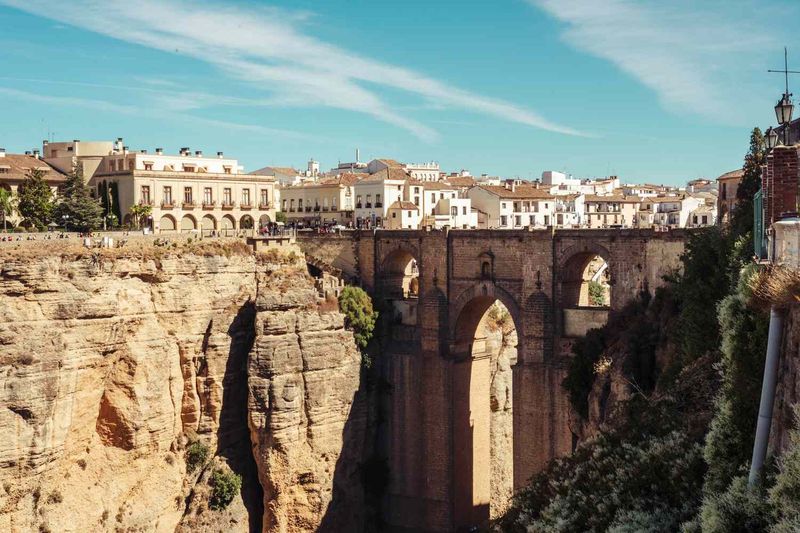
423	171
402	215
570	210
456	213
668	211
376	193
513	206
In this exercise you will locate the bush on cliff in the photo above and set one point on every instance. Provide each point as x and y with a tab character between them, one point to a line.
359	314
225	486
196	456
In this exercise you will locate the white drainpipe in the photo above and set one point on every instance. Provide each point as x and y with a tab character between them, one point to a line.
767	394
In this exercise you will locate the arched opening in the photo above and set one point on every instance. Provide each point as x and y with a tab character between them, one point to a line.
585	293
400	284
208	224
188	223
485	349
167	224
246	222
263	221
228	225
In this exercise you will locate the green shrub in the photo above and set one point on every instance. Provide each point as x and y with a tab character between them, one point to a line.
359	314
739	509
196	455
225	485
597	294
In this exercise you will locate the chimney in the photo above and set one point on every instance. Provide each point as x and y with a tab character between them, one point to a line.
118	145
220	154
2	152
198	153
159	151
76	140
27	152
36	154
358	155
185	150
45	142
143	151
125	150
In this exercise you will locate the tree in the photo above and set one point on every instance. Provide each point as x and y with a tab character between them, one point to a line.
6	205
742	215
138	212
78	210
35	200
280	216
359	314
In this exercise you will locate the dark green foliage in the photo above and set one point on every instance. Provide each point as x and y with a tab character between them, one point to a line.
744	341
784	496
116	210
359	315
740	509
656	476
78	211
196	455
705	280
225	486
280	216
35	200
742	216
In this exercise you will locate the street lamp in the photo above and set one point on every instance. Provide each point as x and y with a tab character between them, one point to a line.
783	112
771	138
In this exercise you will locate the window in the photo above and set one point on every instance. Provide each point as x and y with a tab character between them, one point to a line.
187	195
145	198
433	197
503	220
454	211
168	195
148	166
724	190
369	201
416	190
464	210
246	197
394	214
188	168
264	197
208	199
378	201
503	206
226	196
291	209
416	201
517	220
226	169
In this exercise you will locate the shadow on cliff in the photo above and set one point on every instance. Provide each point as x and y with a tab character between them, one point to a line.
233	435
361	475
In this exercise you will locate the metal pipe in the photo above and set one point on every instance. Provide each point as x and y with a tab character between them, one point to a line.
767	394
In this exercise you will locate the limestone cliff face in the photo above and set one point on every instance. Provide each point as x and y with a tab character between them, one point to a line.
306	421
112	362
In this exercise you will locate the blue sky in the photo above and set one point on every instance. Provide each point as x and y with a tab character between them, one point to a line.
648	90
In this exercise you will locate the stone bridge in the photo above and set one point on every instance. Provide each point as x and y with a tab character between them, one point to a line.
441	284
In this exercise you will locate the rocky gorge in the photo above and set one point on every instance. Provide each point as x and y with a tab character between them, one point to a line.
113	362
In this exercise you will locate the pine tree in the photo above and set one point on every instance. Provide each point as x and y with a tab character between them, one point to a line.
6	205
742	215
36	202
78	210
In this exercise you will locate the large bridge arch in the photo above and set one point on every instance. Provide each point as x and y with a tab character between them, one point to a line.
584	285
398	273
482	450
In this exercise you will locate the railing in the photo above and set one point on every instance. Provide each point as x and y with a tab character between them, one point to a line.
378	204
358	205
167	204
145	202
209	205
247	205
316	208
189	205
263	205
308	209
368	205
227	205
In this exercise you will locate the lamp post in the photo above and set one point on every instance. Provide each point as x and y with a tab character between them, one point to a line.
783	112
771	138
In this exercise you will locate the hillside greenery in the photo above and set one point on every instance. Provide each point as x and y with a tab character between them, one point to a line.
674	457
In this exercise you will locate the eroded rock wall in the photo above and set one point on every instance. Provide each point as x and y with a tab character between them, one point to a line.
306	419
112	362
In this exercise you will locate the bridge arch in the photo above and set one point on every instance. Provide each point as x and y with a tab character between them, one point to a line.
485	326
584	289
399	273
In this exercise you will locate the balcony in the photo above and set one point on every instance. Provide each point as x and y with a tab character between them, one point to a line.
291	209
358	205
316	209
264	206
368	205
209	205
378	204
189	204
167	204
146	202
227	205
245	205
308	209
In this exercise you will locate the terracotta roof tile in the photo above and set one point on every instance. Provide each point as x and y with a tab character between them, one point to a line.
520	191
733	174
16	167
403	205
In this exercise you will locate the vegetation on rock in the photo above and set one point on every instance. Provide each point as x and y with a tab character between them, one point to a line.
197	454
359	314
225	486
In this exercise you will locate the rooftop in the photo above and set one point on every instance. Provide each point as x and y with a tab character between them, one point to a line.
18	166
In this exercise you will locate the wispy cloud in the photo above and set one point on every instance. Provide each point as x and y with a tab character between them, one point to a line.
701	57
266	47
